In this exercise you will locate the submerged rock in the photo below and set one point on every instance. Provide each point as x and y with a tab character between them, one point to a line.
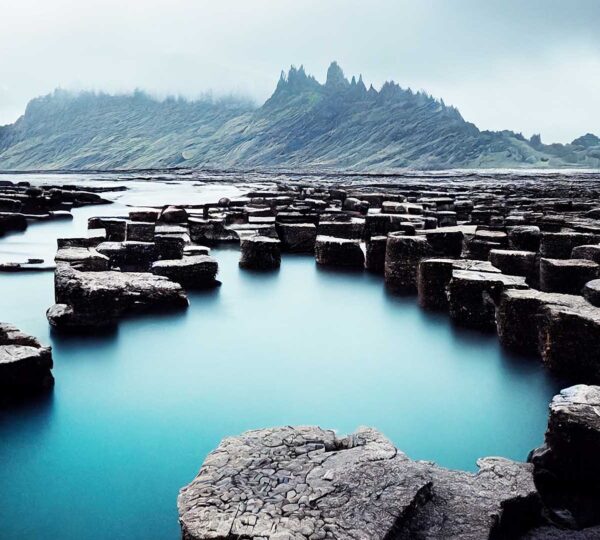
25	365
307	483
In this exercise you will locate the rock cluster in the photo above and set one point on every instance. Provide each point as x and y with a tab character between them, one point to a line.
474	250
25	365
21	204
131	264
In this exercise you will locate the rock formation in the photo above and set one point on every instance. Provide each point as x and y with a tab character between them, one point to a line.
25	365
308	483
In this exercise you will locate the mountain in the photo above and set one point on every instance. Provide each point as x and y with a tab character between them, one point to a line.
304	124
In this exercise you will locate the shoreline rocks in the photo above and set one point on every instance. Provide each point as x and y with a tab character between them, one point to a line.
402	256
307	483
473	296
25	365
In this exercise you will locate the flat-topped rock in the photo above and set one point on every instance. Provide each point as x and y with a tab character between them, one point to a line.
297	237
569	337
307	483
196	271
260	253
25	365
331	251
402	257
559	245
513	262
140	231
589	252
434	275
375	257
473	296
83	258
567	276
115	228
210	231
342	229
446	241
97	299
519	313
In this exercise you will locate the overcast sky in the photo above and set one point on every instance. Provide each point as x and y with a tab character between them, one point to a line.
525	65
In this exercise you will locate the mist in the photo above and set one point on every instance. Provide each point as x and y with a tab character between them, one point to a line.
530	67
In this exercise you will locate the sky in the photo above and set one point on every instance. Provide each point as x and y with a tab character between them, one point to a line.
531	66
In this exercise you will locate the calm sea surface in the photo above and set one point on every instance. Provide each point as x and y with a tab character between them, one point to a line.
133	414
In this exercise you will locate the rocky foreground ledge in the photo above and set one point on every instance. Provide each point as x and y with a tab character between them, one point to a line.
306	483
25	365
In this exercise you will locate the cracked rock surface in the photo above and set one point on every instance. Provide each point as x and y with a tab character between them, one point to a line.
306	483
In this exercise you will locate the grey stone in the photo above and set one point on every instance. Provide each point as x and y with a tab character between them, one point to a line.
402	257
25	365
197	271
306	483
297	237
591	292
566	276
82	258
473	296
330	251
98	299
260	253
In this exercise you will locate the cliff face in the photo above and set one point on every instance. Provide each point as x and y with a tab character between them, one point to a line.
338	124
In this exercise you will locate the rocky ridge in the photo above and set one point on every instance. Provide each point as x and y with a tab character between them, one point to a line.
338	124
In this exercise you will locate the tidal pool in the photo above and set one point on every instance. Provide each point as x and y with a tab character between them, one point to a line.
133	414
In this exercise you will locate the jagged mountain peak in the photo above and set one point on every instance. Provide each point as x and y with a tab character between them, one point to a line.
339	124
335	77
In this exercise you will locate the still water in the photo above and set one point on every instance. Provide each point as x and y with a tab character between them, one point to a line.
133	414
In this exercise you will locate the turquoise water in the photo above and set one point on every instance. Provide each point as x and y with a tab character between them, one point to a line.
133	414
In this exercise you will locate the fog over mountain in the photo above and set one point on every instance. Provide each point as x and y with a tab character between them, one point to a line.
531	67
340	123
